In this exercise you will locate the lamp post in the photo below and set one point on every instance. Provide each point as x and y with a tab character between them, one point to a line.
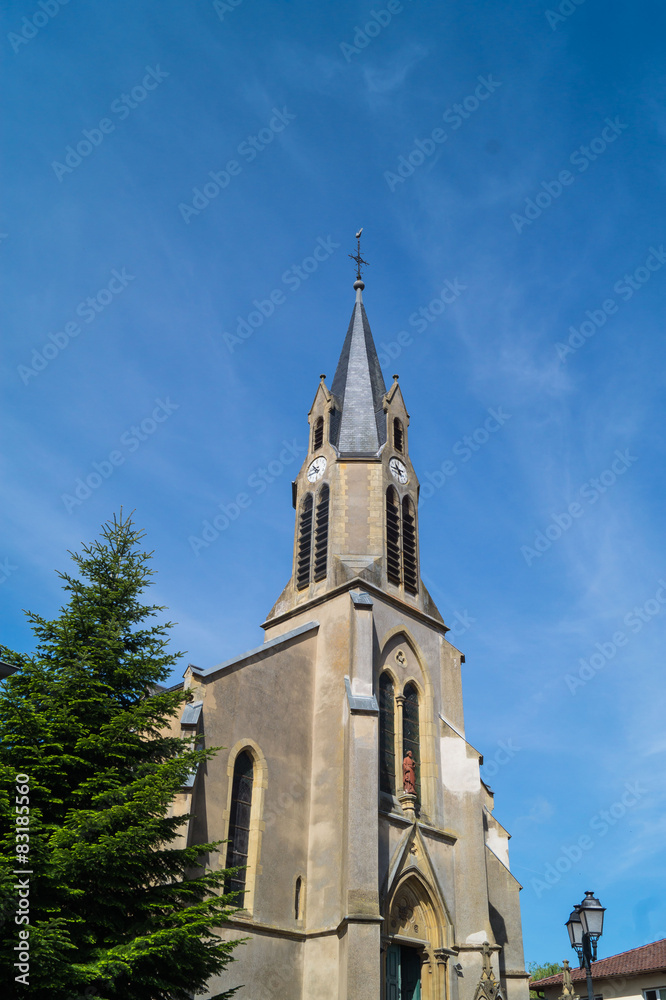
585	926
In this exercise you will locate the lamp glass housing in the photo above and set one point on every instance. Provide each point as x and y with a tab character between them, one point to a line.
575	928
591	914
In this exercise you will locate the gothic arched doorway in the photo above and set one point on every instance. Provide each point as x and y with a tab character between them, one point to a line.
415	943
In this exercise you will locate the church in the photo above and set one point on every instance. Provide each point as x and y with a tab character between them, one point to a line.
371	863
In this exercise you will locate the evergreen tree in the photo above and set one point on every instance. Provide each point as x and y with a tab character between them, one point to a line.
116	909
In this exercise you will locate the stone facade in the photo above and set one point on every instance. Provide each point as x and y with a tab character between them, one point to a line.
354	891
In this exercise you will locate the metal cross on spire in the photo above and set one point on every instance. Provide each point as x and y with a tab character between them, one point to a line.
356	257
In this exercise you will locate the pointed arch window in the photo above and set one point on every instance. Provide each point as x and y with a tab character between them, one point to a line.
398	435
409	562
401	555
304	543
321	533
239	824
410	730
393	562
318	434
386	734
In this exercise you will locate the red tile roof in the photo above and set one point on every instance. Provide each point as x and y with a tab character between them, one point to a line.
647	958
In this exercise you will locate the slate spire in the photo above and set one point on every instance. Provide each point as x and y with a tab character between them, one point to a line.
358	426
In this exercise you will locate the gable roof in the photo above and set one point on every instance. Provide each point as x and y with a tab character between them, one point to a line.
647	958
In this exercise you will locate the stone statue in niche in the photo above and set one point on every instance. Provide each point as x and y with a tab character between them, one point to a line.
409	773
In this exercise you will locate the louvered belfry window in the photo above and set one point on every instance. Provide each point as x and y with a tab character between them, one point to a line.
304	543
321	533
386	734
392	535
410	730
318	434
398	435
409	563
239	824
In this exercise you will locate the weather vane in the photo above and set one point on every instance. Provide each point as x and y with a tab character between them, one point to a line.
356	257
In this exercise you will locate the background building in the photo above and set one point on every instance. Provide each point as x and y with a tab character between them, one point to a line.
639	974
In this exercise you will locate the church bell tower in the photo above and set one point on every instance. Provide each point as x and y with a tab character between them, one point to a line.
356	495
370	864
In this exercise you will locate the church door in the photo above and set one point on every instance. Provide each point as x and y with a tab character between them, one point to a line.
403	973
410	974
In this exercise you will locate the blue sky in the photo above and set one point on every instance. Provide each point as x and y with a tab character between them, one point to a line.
533	200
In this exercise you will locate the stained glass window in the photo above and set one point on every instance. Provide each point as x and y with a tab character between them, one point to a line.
386	734
239	824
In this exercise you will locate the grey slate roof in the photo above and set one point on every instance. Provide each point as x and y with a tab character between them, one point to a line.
360	703
188	784
259	652
191	713
358	386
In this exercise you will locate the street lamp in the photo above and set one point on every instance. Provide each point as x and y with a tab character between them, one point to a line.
585	926
575	928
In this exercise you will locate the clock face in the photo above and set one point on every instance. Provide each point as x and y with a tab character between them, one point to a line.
398	470
317	469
